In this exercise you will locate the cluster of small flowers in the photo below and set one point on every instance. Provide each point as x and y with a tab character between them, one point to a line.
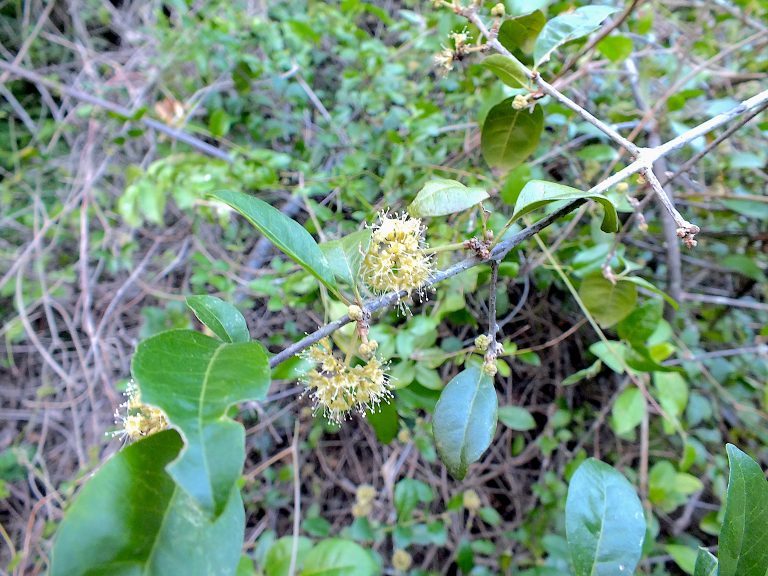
364	498
396	258
139	419
338	389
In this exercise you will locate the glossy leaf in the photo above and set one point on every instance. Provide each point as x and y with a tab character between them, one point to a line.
743	543
465	420
221	317
336	557
516	418
194	379
604	521
508	70
509	136
131	518
345	255
538	193
287	234
441	196
521	32
607	302
566	27
706	564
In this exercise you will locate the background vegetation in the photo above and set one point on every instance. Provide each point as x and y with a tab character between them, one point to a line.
118	119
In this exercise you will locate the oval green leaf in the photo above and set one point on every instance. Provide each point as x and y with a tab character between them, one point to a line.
441	196
608	303
604	521
194	379
538	193
628	411
221	317
509	136
465	420
345	255
288	235
521	32
131	518
743	543
567	27
516	418
336	557
509	70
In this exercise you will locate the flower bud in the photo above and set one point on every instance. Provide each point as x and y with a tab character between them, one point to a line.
499	10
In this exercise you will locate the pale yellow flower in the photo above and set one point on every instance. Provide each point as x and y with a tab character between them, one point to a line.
396	259
139	419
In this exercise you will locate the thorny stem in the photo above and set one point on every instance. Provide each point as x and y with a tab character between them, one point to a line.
645	160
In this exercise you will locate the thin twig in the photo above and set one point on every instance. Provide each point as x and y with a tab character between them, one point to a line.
174	133
493	327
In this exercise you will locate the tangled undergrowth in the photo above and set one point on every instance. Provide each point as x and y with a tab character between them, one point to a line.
334	112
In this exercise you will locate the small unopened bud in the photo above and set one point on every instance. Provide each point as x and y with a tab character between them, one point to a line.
490	368
471	500
401	560
364	349
622	187
355	312
482	342
640	179
404	436
373	345
498	11
520	102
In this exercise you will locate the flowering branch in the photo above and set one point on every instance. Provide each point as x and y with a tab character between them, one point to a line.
643	162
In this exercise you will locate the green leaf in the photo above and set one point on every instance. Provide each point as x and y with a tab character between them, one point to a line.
131	518
219	123
643	283
508	69
441	196
538	193
641	323
743	543
464	421
384	421
516	418
616	48
521	31
684	556
221	317
706	564
566	27
194	379
336	557
613	354
607	302
287	234
604	521
345	255
278	560
583	374
745	265
509	136
408	494
628	411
